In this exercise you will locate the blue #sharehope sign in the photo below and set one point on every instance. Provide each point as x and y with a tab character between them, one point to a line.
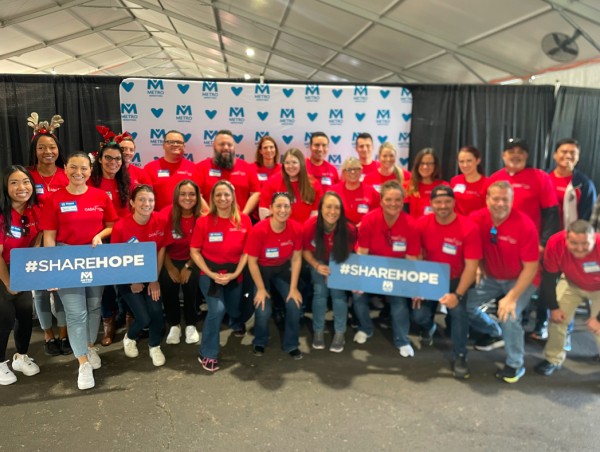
81	266
390	276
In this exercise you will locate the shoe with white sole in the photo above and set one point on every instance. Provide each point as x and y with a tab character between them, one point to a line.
24	364
191	335
158	359
130	347
174	336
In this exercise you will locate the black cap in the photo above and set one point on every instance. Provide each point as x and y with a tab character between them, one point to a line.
516	142
442	190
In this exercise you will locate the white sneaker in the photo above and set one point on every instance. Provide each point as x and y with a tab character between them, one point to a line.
158	359
406	351
94	358
85	380
23	363
6	375
191	335
361	337
130	347
174	335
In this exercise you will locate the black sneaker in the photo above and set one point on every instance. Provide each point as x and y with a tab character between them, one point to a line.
65	346
460	369
296	354
546	368
510	374
240	332
488	343
52	347
258	350
427	336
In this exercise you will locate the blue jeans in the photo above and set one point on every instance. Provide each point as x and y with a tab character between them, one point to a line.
227	299
512	329
82	309
147	314
399	312
41	299
292	317
339	303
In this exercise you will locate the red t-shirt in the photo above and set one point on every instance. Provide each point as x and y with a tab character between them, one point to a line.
420	204
111	187
77	218
45	186
137	176
264	174
376	179
127	230
401	240
583	273
308	237
357	202
165	176
560	185
219	239
516	242
469	196
273	248
17	237
242	176
369	169
450	243
300	210
179	245
325	173
533	192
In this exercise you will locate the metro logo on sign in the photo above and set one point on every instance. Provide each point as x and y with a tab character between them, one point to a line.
210	90
236	115
155	88
287	117
209	137
259	135
312	93
336	117
360	93
183	113
382	118
262	92
129	112
157	136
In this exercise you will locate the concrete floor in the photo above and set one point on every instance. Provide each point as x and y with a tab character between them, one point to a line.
363	399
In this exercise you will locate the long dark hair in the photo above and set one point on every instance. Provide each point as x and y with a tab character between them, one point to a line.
7	201
341	237
122	176
475	153
259	158
415	178
176	210
307	191
33	161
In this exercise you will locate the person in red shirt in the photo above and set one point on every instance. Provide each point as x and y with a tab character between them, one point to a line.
469	187
426	174
217	248
266	160
224	165
364	148
510	265
18	229
167	171
452	239
387	231
388	169
572	258
80	215
274	250
317	165
302	188
143	298
329	234
137	175
358	198
179	272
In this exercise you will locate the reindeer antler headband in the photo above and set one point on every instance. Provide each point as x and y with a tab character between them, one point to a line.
110	137
43	126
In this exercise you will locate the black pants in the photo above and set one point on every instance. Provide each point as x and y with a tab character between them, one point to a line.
16	312
170	296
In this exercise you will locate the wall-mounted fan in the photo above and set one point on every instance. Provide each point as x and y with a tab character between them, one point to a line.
561	47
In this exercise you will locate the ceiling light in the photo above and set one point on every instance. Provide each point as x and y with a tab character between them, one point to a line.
247	76
53	71
250	52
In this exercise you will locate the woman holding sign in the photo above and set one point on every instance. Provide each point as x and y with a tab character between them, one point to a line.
80	215
328	234
18	229
390	232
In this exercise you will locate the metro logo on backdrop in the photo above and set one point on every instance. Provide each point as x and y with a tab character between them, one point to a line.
259	134
209	137
236	115
210	90
361	94
129	112
155	88
383	118
312	93
262	93
157	137
183	113
336	117
287	117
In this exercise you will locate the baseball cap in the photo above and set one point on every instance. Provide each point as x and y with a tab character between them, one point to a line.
442	190
516	142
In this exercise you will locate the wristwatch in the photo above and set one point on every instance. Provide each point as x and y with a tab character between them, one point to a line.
459	297
188	266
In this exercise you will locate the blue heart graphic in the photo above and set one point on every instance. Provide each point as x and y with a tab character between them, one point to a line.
287	139
406	116
134	135
262	115
186	137
288	92
183	87
337	93
127	86
360	116
404	161
336	139
210	113
384	93
238	138
382	138
157	112
312	116
237	90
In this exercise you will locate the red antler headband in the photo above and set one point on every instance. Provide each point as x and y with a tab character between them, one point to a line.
43	126
110	137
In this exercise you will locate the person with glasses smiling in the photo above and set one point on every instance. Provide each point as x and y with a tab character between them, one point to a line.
170	169
509	268
425	176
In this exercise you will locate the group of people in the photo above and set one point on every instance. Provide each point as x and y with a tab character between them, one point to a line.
258	238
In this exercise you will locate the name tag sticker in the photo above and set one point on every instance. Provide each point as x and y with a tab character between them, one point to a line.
399	246
428	210
362	177
460	188
449	248
68	206
262	177
109	193
377	188
15	231
362	208
272	253
175	235
163	173
591	267
215	237
214	172
39	189
133	240
326	180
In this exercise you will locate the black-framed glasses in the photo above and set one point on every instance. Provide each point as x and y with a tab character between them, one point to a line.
109	158
174	142
494	235
24	225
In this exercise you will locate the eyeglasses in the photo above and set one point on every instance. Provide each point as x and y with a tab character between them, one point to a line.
24	225
109	159
493	235
427	164
174	142
353	170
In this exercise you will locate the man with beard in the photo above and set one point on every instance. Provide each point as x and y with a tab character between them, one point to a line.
225	166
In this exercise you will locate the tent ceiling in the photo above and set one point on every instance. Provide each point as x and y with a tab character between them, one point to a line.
388	41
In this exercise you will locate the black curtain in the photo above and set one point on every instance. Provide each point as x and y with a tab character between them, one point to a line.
447	117
577	115
82	101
